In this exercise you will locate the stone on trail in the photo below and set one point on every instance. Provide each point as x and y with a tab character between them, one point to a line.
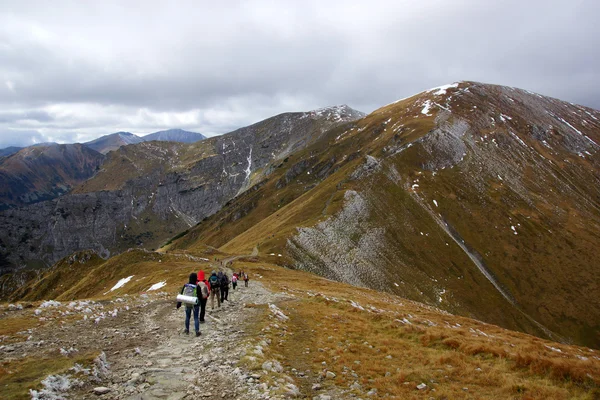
421	386
330	375
101	390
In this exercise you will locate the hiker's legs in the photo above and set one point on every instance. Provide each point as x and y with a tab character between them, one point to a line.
196	322
188	313
226	292
212	299
222	295
219	297
202	308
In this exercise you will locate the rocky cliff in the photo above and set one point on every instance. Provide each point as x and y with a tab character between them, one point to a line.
148	192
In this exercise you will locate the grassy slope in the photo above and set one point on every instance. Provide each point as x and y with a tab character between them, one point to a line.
548	267
393	356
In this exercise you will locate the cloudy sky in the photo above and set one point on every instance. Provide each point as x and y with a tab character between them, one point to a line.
71	71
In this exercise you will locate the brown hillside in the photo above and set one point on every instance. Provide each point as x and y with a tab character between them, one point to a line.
478	199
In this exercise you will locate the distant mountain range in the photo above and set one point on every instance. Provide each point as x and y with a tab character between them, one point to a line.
44	171
113	141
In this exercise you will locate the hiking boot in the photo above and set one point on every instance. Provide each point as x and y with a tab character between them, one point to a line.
186	332
198	333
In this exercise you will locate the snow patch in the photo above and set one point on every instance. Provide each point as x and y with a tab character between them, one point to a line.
121	283
157	286
442	89
426	107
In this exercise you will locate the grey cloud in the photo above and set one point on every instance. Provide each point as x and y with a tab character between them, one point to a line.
69	72
19	138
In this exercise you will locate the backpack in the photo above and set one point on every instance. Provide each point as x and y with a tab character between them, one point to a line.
214	282
224	281
189	296
203	290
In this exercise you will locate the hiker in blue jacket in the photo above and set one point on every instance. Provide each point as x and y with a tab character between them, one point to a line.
192	289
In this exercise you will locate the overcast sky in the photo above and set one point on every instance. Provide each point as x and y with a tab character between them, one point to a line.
73	71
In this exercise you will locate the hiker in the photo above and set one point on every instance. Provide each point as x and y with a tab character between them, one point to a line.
214	290
246	279
203	284
190	289
234	280
224	287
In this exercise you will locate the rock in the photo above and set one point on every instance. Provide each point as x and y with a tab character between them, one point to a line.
100	390
330	375
267	366
421	386
291	390
316	386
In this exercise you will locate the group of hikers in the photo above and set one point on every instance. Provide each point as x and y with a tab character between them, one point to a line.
196	292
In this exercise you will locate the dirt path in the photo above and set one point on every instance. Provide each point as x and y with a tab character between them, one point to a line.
172	365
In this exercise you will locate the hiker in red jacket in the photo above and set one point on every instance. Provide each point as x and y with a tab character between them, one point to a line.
203	300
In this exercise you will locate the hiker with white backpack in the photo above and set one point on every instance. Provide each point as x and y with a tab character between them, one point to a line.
191	294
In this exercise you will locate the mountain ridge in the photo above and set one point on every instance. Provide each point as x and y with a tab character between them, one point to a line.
42	172
486	141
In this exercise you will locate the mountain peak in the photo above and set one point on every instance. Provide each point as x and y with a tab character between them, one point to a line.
175	135
338	113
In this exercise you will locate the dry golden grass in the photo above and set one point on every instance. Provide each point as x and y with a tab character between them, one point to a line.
17	377
10	324
456	357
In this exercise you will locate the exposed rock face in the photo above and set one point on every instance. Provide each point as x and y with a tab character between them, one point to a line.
331	248
149	192
43	172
